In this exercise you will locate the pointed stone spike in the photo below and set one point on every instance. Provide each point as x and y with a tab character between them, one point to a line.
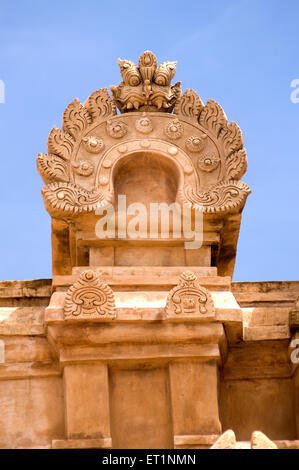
260	441
227	440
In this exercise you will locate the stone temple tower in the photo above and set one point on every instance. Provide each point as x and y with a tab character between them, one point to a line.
149	342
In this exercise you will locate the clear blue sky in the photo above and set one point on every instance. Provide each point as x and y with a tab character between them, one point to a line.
241	53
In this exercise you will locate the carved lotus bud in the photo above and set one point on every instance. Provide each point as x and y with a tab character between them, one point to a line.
208	162
93	144
196	143
129	72
147	65
165	73
116	129
174	130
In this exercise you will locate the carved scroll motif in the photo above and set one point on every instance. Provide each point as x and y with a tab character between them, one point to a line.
226	196
61	195
70	198
189	299
89	297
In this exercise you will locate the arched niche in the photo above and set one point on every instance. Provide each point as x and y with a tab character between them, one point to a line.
146	177
146	171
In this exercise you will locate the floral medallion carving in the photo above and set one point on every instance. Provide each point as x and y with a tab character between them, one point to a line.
144	125
208	162
189	299
116	129
196	143
89	297
83	167
93	144
174	130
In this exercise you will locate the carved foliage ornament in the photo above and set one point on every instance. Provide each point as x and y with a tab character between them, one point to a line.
52	167
189	105
68	198
225	196
60	194
189	299
89	297
228	194
146	87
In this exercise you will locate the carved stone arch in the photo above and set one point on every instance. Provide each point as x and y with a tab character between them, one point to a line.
176	158
194	138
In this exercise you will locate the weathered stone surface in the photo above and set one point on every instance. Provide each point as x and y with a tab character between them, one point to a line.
140	409
267	404
273	294
227	440
22	320
261	441
86	401
31	412
194	441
